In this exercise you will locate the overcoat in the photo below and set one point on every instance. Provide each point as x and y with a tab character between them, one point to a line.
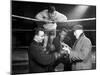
81	53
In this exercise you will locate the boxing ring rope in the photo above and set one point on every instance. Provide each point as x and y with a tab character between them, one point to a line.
32	30
74	20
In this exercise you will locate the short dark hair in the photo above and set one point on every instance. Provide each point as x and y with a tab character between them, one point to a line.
51	9
64	29
77	27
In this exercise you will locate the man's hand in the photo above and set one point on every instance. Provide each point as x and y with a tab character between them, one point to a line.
63	52
57	55
63	44
66	49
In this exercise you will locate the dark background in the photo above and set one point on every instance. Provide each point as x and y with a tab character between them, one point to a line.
22	29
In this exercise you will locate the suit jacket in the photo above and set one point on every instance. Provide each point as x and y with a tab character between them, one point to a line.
81	53
39	60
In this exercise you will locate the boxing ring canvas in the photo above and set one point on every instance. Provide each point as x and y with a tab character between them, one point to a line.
23	22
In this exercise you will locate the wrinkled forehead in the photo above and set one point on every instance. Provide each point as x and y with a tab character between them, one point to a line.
76	31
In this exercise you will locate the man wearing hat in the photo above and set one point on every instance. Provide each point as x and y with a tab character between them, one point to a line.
80	54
